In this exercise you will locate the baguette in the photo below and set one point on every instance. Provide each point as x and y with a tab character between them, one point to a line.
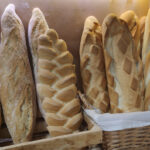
37	26
146	61
122	74
55	81
17	90
136	28
92	65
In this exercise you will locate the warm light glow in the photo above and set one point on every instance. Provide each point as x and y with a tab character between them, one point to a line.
139	6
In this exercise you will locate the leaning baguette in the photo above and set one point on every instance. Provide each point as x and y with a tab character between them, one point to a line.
92	65
122	74
17	90
55	81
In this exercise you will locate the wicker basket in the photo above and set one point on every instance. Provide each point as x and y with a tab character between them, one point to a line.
128	139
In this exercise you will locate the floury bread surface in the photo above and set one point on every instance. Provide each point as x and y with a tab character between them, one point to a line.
36	27
122	73
55	79
92	65
17	90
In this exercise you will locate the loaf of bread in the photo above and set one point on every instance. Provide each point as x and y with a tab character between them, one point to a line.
92	65
136	26
55	78
37	26
146	61
122	73
17	91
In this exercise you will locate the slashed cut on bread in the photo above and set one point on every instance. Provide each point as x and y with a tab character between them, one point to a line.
121	70
92	65
55	80
136	28
17	90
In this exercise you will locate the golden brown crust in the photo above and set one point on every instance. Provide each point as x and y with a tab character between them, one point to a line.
55	78
131	19
17	88
146	61
62	108
92	65
122	74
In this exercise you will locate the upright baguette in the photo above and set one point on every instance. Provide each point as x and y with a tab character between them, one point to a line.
122	74
146	60
92	65
17	90
135	26
37	26
55	81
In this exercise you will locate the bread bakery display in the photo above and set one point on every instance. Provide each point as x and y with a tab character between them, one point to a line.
55	77
106	69
146	61
17	92
92	65
122	74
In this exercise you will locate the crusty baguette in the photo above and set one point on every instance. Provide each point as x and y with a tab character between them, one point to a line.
17	91
92	65
146	61
131	19
37	26
122	74
55	80
136	28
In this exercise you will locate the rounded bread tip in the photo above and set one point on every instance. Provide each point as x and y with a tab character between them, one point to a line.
36	11
10	7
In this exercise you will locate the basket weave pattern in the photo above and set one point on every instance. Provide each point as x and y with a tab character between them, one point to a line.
128	139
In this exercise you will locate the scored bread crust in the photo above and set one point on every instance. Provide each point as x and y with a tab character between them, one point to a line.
146	61
55	79
136	28
121	70
92	65
37	26
56	85
17	90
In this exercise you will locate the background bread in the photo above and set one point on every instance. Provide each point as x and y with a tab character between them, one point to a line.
17	90
92	65
122	74
131	19
146	60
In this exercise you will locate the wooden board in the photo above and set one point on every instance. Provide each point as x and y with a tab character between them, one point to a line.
74	141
